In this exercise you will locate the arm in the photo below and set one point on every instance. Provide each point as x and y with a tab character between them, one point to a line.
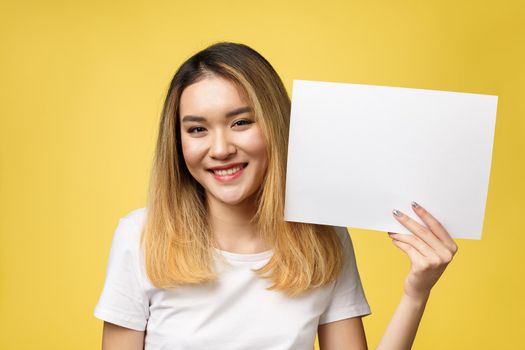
120	338
401	331
344	334
430	250
340	326
123	304
349	334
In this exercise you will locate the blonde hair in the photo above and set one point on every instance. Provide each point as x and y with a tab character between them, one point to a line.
176	237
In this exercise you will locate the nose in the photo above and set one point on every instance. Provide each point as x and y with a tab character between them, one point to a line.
222	147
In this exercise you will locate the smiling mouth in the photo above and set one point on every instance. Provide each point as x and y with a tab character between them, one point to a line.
229	171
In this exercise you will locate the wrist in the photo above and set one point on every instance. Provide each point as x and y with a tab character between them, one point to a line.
416	299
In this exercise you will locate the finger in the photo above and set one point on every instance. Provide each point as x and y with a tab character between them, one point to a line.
415	257
424	234
416	243
435	226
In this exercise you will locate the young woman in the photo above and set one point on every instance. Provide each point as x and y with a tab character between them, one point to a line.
210	263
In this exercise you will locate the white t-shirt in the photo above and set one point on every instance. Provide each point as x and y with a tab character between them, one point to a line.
235	313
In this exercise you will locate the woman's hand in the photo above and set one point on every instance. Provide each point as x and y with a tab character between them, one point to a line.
430	250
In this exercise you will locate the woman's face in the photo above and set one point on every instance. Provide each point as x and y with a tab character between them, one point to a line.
218	130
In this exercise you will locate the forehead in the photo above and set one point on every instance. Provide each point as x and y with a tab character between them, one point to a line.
212	94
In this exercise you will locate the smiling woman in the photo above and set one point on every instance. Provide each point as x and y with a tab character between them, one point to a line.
224	151
210	263
211	255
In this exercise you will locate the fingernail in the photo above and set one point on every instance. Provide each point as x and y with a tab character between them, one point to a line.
415	205
396	212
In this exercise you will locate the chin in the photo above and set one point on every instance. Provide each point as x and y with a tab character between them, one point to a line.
233	199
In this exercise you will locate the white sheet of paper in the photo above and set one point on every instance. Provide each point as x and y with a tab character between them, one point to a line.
358	151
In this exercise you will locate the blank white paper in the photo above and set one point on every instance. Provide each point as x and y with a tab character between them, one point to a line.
356	152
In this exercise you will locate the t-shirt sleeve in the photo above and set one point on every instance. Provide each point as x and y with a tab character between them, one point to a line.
123	300
348	298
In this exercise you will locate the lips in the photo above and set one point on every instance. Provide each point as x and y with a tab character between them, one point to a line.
229	175
229	166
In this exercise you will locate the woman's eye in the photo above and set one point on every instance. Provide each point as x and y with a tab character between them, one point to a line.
246	122
191	130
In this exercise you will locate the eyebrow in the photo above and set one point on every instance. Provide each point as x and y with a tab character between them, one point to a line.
237	111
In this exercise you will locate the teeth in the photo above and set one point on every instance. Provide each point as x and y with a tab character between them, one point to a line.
228	171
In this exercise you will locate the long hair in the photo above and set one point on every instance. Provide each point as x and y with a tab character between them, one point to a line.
176	237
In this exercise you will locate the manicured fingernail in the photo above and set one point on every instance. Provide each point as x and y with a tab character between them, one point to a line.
396	212
415	205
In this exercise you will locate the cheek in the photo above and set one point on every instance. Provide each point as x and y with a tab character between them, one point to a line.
192	152
258	147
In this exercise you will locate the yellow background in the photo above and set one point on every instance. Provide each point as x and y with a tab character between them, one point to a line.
82	85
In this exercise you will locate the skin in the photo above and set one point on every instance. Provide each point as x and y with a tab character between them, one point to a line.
218	140
120	338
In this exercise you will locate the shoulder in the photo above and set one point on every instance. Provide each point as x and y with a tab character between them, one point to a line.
346	240
127	233
341	231
136	215
343	235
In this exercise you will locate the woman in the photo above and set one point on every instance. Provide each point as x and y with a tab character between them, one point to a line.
211	264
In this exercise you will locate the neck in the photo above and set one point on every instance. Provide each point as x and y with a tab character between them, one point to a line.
231	226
